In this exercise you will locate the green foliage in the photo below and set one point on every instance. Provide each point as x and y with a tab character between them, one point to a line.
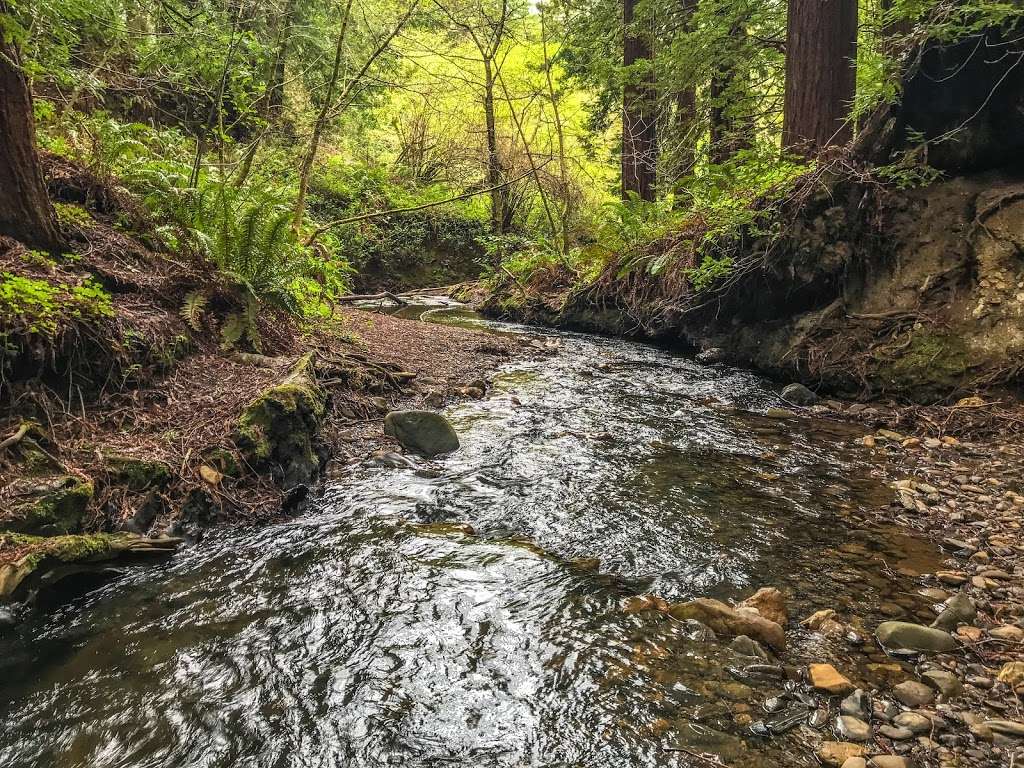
193	309
246	234
630	224
43	308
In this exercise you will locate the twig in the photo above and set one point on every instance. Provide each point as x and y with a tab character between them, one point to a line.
16	437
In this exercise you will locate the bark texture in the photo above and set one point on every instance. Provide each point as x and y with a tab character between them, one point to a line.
25	210
639	112
821	74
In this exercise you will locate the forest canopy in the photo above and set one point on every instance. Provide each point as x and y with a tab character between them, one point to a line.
294	143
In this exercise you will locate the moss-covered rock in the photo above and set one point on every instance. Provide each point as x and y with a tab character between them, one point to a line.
24	557
277	431
135	474
48	506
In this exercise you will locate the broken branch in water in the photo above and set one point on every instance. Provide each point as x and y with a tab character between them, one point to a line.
373	297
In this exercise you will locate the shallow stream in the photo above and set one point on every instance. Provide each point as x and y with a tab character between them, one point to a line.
374	630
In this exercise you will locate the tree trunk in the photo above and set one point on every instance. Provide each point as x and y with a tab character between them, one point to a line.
685	118
639	118
499	195
821	74
25	210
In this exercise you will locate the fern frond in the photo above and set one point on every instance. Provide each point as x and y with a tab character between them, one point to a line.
193	309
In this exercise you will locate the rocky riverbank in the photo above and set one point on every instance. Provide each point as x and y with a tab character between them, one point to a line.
936	684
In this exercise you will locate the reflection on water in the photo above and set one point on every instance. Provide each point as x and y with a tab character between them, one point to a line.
370	633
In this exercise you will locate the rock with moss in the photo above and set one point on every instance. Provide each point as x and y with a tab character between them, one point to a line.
26	560
136	474
48	506
277	430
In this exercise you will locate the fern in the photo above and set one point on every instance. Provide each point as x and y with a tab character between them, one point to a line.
193	309
241	326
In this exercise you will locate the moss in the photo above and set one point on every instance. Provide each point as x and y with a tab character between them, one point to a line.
59	507
34	552
136	474
276	431
223	460
932	366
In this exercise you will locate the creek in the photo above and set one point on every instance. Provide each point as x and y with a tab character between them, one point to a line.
376	628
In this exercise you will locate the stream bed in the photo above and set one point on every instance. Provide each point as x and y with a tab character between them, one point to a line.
469	611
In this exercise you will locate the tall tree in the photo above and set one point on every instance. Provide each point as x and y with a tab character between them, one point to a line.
639	107
486	24
25	210
821	74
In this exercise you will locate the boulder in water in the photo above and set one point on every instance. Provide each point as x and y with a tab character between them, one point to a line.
424	432
798	394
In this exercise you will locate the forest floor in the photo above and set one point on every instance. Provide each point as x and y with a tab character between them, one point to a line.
125	418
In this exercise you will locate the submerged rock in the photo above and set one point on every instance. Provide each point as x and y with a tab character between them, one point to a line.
913	694
901	634
836	753
745	646
39	555
725	620
424	432
826	678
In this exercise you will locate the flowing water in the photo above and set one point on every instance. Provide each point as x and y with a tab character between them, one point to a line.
378	629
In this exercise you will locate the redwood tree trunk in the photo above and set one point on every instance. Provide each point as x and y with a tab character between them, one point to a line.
25	210
639	118
686	111
821	74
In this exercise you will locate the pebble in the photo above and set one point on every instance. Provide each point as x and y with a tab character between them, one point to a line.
895	733
1007	632
913	694
890	761
1012	673
852	728
855	762
857	704
946	683
914	722
825	677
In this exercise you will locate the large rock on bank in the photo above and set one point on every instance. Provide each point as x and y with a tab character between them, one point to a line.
724	620
424	432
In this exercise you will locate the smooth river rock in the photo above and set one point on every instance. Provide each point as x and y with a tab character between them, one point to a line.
901	634
798	394
826	678
852	728
959	609
836	753
424	432
724	620
913	694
